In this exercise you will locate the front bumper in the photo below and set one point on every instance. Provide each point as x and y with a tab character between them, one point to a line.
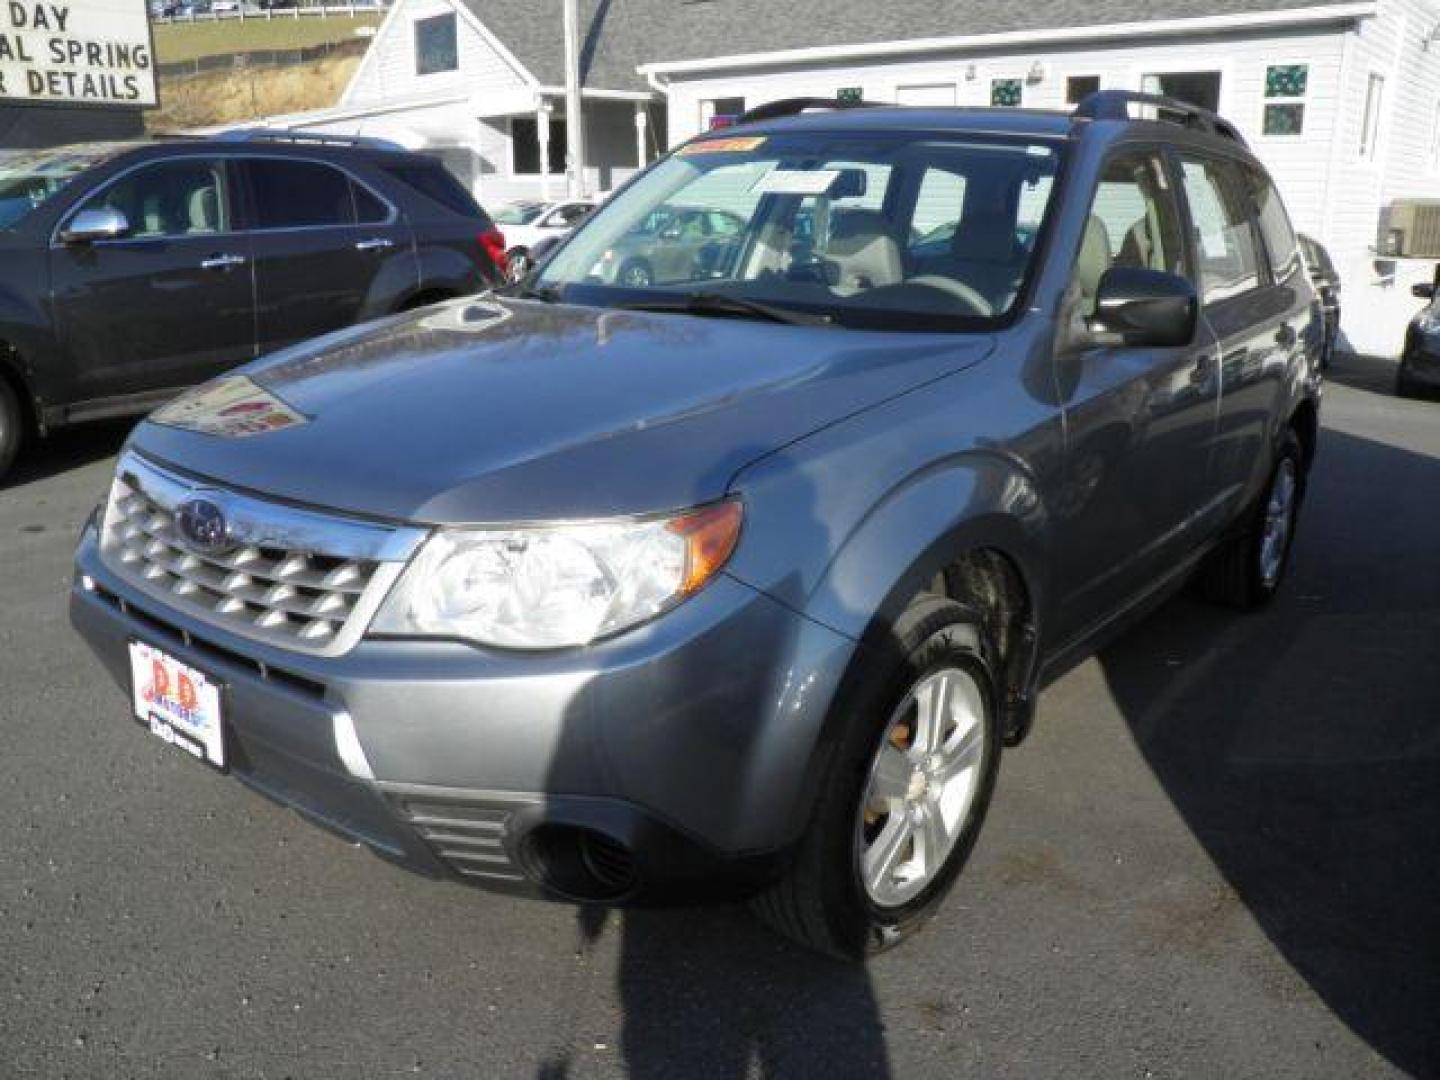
674	759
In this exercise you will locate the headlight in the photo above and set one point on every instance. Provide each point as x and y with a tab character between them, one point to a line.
547	587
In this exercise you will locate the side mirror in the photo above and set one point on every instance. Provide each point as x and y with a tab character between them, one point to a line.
90	225
1424	291
1146	307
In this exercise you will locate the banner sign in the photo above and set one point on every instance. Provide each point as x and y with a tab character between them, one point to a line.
80	52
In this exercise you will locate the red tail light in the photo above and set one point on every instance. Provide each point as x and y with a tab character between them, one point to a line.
493	241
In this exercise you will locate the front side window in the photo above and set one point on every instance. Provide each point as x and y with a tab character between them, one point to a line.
1225	242
437	48
299	195
174	198
1133	223
901	231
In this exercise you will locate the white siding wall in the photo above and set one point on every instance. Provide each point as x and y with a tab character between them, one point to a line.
1330	192
388	71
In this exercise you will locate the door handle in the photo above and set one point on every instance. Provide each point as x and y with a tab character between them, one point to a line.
378	243
222	262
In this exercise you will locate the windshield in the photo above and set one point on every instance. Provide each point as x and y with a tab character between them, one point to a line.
905	231
517	213
31	178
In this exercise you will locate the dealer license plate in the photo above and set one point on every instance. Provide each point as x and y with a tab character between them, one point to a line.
177	703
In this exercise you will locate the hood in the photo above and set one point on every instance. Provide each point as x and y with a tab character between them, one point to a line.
483	410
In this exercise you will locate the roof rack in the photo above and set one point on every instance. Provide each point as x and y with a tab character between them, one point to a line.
775	110
1115	105
310	138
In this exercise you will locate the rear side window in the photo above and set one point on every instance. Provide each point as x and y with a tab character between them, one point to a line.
437	184
299	195
1280	239
1225	241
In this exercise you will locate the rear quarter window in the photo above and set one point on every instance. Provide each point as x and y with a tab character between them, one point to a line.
435	183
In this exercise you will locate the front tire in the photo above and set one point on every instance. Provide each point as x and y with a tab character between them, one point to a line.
636	274
904	795
12	427
519	263
1247	570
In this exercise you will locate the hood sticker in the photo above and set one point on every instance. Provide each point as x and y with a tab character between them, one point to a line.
233	408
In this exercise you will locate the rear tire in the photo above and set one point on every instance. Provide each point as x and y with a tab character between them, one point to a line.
1247	570
12	427
903	798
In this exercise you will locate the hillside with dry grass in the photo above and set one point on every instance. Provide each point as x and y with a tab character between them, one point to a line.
225	97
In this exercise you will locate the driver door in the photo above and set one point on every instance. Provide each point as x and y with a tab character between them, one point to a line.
1140	421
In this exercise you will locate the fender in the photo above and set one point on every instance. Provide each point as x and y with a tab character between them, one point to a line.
34	358
980	499
445	268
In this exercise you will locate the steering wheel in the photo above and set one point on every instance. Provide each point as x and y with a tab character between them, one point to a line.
958	289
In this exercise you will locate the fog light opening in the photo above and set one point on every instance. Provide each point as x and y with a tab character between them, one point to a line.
580	864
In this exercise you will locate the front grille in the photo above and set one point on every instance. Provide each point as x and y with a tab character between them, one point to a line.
314	595
467	835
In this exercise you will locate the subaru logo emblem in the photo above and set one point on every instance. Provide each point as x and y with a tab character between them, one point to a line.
202	526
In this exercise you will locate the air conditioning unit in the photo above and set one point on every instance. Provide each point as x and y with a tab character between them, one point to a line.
1411	229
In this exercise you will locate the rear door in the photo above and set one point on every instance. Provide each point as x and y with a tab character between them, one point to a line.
1256	308
170	303
329	251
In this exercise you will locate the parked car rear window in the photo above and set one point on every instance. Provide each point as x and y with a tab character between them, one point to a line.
299	194
437	184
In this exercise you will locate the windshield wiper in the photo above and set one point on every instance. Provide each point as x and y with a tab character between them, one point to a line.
707	303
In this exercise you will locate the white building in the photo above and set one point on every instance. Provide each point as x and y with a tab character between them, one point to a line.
1340	100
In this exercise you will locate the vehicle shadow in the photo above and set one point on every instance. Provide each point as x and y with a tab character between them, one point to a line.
1364	372
69	448
1302	744
710	994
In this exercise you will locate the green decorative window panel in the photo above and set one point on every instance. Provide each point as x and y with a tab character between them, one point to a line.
1287	80
849	95
1284	119
1005	92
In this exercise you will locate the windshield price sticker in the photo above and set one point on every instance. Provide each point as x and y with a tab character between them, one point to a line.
795	182
722	146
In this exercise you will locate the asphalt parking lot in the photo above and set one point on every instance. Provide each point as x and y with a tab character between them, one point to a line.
1216	857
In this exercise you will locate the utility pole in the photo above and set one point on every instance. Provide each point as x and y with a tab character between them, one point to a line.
574	116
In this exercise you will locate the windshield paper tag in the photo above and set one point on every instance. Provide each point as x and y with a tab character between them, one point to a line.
233	408
722	146
795	182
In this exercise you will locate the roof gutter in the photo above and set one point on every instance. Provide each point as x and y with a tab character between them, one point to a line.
1260	20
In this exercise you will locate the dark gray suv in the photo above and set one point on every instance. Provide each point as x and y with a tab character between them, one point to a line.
736	585
130	271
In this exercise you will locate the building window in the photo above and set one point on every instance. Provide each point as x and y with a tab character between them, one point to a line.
1286	86
525	147
1006	93
436	47
720	112
1370	119
1079	87
1200	88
